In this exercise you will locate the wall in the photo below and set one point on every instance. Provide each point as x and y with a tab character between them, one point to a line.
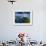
9	31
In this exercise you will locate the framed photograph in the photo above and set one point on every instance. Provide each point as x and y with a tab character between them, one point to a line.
23	18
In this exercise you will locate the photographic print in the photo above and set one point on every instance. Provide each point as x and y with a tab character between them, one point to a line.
23	18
